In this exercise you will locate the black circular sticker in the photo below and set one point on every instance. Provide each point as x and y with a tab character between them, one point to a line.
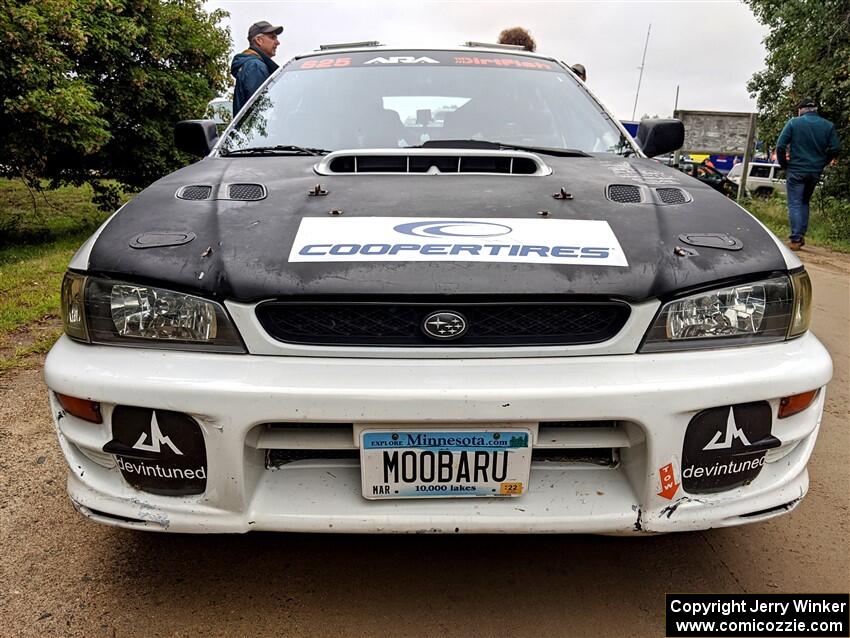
725	447
159	451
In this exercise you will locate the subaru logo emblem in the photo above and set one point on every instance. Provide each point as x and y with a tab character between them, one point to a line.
445	325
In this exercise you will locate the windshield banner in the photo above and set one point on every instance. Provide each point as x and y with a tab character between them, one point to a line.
384	59
509	240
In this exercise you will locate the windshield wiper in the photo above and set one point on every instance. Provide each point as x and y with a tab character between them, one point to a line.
280	149
502	146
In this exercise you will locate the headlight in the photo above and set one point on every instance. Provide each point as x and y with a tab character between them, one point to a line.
146	316
760	312
73	306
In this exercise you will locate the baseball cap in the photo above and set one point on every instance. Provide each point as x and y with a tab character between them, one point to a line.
262	27
807	103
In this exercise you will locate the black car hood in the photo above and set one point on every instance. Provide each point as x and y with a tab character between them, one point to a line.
240	249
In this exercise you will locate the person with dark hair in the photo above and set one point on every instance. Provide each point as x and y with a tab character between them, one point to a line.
806	145
254	65
519	37
580	71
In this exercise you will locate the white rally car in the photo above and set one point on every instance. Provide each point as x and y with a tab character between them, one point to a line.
434	290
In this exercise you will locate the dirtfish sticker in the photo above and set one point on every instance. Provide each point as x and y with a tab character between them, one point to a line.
529	241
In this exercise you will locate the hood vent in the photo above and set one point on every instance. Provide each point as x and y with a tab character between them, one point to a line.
238	192
195	192
625	193
672	195
246	192
426	161
634	194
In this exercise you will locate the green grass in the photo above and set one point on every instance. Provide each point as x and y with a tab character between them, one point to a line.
29	217
30	280
828	220
39	233
21	357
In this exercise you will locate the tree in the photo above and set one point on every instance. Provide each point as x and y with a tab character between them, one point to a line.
92	89
808	55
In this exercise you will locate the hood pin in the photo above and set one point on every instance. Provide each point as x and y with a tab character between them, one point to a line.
336	212
317	191
543	213
563	194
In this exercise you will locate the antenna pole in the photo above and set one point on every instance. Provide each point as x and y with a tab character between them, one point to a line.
642	64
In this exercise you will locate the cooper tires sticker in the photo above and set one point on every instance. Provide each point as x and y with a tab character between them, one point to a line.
531	241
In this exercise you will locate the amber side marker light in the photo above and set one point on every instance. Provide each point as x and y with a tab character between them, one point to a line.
789	406
82	408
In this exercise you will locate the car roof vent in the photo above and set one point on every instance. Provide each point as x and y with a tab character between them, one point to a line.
625	193
673	196
246	192
195	191
426	161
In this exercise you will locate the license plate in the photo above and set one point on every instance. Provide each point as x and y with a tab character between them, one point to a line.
444	464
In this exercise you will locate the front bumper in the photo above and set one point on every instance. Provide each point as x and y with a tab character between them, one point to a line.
653	397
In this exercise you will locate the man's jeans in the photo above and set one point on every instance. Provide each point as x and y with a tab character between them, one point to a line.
799	187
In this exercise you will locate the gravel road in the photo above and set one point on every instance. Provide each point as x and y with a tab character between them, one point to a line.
64	576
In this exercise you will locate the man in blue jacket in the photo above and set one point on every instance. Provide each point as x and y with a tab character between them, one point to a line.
806	145
254	65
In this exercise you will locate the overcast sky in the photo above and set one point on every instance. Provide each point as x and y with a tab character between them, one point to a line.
709	48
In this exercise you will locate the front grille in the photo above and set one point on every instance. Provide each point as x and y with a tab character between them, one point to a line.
195	192
246	192
624	194
277	458
558	442
605	457
400	324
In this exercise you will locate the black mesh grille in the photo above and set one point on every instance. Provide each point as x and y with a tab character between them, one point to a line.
504	324
248	192
197	191
277	458
624	193
671	195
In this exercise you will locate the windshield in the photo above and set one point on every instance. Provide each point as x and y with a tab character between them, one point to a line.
390	99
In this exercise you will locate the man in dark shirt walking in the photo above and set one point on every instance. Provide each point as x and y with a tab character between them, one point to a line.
254	65
805	146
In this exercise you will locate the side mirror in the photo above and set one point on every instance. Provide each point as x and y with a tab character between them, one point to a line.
196	137
657	137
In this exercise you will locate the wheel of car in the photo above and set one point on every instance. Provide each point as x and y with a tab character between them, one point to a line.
763	191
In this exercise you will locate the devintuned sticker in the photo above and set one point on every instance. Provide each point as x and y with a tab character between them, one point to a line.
725	447
159	451
509	240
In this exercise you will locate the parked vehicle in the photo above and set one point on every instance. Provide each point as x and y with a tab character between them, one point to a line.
396	297
709	175
764	179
